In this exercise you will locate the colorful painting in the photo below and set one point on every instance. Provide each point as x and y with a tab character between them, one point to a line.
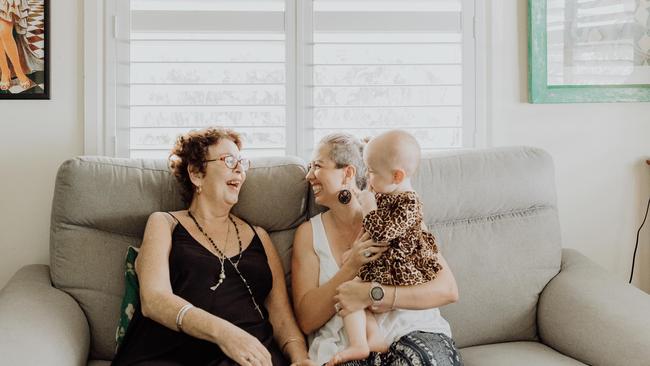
24	59
589	51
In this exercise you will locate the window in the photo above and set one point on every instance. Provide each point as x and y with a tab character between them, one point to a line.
285	73
377	65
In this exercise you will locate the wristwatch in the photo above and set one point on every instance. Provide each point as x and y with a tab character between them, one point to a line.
376	294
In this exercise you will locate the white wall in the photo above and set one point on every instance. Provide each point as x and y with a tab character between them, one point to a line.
599	151
35	138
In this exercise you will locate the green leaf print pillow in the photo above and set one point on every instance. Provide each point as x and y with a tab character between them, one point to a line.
131	295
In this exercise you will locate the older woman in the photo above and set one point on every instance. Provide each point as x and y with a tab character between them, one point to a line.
324	284
211	285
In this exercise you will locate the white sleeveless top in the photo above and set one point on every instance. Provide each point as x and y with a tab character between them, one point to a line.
331	337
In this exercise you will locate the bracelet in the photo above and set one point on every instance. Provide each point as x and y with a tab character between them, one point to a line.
392	306
291	339
181	314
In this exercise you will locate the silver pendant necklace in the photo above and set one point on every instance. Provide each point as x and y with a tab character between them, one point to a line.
220	255
222	259
222	274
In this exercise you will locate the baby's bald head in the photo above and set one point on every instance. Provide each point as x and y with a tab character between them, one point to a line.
395	149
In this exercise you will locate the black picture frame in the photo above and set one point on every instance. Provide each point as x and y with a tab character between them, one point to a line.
34	42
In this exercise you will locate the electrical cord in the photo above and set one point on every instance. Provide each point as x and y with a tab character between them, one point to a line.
636	246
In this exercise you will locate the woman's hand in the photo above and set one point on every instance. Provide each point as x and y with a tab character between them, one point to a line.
353	295
243	348
363	250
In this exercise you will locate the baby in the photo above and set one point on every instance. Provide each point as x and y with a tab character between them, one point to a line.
393	214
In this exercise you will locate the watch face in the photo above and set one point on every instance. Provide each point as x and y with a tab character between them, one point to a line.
377	293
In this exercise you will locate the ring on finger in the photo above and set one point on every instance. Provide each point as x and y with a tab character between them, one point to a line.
338	307
367	253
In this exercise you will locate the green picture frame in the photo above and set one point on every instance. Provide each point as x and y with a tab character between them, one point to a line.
539	90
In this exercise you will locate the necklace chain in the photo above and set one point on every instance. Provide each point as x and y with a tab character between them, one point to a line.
222	259
221	254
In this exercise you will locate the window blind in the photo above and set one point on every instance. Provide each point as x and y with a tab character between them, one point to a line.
286	72
378	65
202	63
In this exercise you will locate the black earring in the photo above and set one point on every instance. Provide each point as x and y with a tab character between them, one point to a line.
345	196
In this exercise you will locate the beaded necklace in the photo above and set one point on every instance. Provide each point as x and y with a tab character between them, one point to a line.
222	259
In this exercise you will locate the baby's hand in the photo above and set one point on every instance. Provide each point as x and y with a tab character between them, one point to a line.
367	201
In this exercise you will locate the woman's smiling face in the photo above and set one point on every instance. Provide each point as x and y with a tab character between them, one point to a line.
325	178
219	181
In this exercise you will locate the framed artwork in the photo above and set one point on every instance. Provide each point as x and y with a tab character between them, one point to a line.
24	49
588	51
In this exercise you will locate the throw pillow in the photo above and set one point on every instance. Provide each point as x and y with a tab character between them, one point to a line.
131	295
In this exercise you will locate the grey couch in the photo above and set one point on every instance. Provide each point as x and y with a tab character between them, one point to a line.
523	299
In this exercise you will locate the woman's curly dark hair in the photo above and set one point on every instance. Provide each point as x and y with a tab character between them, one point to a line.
192	149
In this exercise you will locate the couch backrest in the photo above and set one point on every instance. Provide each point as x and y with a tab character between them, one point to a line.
495	217
101	206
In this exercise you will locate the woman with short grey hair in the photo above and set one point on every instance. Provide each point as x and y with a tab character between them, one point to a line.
344	150
324	284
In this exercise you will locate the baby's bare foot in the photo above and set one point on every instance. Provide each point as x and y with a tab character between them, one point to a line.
350	354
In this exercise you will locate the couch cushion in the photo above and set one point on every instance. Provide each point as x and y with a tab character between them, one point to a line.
494	214
101	206
515	354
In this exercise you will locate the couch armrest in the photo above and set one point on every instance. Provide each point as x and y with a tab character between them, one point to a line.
586	313
40	325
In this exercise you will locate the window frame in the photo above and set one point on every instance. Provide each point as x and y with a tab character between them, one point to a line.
105	29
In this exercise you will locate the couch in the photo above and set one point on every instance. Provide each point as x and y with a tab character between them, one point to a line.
524	300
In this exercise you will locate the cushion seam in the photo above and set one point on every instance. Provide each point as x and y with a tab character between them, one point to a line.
68	224
512	213
64	224
87	162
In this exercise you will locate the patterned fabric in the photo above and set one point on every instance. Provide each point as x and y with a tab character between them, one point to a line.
411	258
16	12
131	295
416	349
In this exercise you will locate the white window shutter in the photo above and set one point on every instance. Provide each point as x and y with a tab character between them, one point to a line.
377	65
195	64
286	72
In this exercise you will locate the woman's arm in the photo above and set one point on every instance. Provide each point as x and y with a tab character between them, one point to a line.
287	334
314	304
354	295
159	303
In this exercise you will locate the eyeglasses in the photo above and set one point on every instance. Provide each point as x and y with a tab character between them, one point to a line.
231	162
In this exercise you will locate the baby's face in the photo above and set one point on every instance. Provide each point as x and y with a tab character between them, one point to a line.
379	174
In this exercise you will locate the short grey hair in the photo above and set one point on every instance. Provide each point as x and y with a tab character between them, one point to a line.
346	149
